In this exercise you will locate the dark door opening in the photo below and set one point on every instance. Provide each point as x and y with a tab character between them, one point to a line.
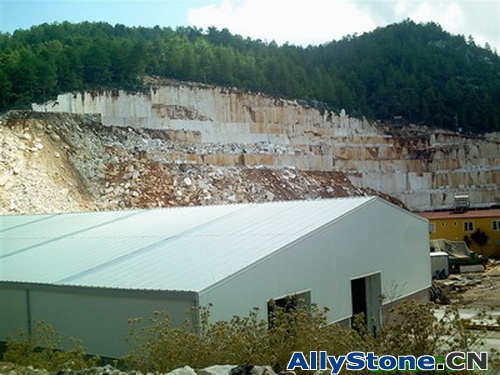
358	298
365	299
287	305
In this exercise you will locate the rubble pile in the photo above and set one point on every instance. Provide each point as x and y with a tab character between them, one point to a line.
423	167
35	174
474	289
12	369
60	162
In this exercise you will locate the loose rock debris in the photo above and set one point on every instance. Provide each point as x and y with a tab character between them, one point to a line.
13	369
477	289
59	162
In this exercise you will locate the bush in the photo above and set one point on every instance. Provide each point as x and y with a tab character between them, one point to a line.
159	347
413	329
43	350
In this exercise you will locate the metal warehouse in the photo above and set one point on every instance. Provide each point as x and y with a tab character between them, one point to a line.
87	273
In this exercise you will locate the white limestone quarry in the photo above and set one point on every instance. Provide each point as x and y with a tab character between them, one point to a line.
425	169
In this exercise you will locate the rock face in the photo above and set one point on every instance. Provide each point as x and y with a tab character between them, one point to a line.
35	173
61	162
231	128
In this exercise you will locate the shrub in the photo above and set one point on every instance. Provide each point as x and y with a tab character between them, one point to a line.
413	329
159	347
42	349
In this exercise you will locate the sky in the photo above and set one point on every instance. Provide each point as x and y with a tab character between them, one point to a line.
300	22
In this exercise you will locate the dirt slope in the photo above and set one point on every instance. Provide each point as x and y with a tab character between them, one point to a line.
61	163
36	175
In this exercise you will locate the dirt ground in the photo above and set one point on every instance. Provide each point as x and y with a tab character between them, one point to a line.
476	290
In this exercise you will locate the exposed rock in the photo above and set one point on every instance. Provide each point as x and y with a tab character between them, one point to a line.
216	370
201	124
110	168
186	370
13	369
55	137
214	146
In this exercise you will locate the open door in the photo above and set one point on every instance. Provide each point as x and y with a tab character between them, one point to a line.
288	304
365	298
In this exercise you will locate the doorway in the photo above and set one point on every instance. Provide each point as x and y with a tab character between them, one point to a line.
287	305
365	299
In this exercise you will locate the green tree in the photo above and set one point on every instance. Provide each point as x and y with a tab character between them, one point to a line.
96	65
418	71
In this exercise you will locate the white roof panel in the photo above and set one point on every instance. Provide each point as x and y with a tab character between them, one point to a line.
188	248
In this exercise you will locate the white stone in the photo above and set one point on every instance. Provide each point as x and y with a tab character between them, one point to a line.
216	370
13	205
186	370
203	185
279	133
269	196
4	177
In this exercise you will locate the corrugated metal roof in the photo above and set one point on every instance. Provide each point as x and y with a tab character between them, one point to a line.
471	214
188	248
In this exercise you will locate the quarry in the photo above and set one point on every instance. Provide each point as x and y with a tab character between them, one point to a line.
189	144
182	143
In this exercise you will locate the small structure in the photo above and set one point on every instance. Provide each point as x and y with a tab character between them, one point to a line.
87	273
458	254
461	203
440	268
479	228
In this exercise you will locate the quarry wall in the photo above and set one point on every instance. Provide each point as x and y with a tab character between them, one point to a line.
424	168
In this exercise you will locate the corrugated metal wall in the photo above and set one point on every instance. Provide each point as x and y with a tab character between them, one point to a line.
97	317
377	237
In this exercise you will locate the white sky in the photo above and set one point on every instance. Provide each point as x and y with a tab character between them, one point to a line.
295	21
318	21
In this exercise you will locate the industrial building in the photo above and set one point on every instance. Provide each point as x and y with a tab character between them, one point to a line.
87	273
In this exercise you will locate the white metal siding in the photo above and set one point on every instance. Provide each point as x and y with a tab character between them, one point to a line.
99	320
376	238
13	311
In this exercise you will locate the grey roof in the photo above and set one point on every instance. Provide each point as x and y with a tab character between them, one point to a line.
187	248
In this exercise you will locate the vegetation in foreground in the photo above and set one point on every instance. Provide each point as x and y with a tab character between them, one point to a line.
157	346
42	350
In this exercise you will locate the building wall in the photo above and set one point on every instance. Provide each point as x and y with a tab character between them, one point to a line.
377	238
389	310
98	317
453	229
13	311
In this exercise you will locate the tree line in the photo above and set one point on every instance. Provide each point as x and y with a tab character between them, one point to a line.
405	72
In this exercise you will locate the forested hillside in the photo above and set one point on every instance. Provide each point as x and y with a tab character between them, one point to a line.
412	72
